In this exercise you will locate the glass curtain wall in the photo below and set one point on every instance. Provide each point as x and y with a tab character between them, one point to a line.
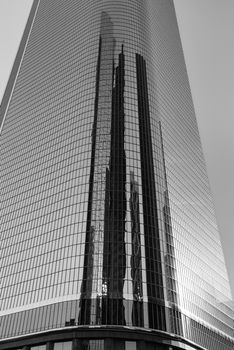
107	214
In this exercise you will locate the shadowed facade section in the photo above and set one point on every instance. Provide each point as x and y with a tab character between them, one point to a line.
156	308
107	203
114	259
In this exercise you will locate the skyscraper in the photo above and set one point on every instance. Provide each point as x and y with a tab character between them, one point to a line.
108	234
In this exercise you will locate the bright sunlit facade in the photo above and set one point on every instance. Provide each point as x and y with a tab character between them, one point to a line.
108	233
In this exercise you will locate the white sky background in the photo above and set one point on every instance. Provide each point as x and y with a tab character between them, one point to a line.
207	33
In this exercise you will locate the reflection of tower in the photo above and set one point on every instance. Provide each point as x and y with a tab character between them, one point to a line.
92	275
152	240
175	315
136	268
170	265
114	259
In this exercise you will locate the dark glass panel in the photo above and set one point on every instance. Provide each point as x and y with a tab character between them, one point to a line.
130	345
151	230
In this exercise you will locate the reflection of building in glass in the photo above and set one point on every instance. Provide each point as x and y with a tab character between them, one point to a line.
104	263
114	259
136	266
108	233
156	308
170	263
92	285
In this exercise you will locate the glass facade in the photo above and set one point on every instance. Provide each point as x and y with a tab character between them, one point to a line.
107	216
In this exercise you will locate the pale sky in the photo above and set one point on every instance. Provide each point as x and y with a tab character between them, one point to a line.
207	33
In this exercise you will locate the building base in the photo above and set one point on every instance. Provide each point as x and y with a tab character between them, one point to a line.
98	338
